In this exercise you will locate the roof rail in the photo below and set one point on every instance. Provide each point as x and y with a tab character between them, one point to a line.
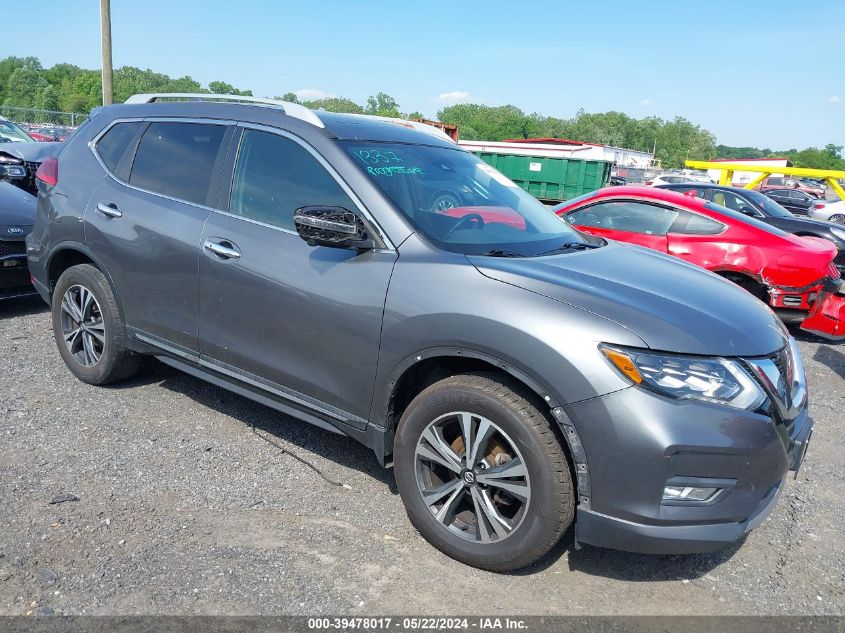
294	110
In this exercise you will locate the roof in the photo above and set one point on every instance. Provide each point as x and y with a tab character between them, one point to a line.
361	127
652	193
358	127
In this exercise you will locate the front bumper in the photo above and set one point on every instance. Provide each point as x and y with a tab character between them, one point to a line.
637	442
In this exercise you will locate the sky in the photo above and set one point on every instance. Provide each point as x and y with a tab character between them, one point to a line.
764	74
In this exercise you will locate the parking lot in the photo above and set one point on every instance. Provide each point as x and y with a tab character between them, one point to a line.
181	508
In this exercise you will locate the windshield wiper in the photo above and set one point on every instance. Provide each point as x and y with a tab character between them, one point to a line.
572	246
501	252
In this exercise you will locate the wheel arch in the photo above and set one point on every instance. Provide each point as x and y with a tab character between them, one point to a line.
753	284
424	368
67	254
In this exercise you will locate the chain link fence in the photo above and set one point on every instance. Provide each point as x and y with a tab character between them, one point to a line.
43	125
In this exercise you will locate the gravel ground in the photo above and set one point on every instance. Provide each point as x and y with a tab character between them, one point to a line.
182	510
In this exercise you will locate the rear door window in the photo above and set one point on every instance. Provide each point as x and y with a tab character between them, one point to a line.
177	159
114	142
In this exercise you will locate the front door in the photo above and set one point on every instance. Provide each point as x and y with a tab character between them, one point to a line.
306	319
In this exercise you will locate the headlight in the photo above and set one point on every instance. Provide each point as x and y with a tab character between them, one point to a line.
687	377
5	159
12	171
840	233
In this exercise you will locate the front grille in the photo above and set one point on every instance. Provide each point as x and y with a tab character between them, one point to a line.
8	249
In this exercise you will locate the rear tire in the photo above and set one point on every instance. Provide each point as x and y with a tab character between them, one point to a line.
520	457
89	329
837	218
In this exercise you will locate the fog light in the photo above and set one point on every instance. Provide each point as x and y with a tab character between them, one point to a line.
688	493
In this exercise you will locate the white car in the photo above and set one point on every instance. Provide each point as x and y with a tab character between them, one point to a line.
832	211
671	179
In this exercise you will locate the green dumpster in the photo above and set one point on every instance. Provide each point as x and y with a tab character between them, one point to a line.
551	179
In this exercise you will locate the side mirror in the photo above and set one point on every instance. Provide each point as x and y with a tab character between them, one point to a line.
333	227
748	211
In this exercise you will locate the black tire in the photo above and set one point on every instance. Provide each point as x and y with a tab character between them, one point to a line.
116	362
747	283
550	510
837	218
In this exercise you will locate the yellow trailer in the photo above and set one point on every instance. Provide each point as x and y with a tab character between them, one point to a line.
830	176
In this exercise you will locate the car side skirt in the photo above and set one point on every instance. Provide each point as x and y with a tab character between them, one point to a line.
320	415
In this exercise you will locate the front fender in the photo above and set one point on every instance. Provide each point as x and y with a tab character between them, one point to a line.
449	305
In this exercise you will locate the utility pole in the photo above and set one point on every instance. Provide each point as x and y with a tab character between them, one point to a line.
105	32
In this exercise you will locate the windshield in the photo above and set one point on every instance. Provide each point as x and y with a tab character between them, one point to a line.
9	132
769	206
460	203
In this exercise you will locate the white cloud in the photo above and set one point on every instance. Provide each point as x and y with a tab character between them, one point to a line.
835	99
645	103
309	94
451	98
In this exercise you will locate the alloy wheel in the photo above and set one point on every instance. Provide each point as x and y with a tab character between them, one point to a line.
472	477
838	218
83	329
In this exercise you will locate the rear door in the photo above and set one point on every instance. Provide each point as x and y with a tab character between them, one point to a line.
302	321
145	220
630	221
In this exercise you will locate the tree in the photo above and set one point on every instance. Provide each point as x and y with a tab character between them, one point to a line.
335	104
382	105
48	99
290	97
222	88
486	123
24	87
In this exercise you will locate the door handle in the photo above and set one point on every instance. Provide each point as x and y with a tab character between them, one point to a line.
109	209
226	250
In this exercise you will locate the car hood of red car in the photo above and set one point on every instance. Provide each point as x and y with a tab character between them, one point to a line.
649	293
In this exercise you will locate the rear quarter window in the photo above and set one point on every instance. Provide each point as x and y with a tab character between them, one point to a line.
694	224
113	143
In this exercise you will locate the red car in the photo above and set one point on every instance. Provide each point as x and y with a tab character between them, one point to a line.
794	275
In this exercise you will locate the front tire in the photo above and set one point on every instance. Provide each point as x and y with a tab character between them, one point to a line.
89	329
483	475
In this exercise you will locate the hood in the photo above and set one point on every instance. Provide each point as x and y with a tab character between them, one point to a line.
673	306
17	208
30	152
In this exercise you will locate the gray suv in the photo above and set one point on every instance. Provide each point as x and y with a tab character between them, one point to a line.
374	279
